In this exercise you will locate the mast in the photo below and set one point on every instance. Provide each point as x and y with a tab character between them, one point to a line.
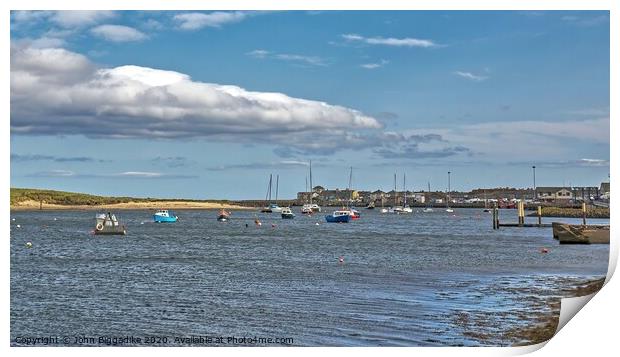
306	184
404	191
350	192
395	195
311	189
448	195
268	195
277	182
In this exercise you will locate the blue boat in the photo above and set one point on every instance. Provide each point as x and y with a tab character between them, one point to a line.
343	216
164	216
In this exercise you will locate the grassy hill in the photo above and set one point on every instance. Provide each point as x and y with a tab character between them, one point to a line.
72	198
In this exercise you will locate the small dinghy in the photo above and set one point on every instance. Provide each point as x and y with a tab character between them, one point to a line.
223	216
287	213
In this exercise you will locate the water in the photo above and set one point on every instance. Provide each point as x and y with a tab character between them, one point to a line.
417	280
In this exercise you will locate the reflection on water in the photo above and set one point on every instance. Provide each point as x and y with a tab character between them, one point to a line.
413	280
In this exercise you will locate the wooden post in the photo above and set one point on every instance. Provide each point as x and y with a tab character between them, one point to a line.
583	211
521	212
40	205
495	217
539	216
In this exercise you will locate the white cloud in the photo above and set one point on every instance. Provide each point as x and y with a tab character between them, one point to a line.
374	65
471	76
296	58
118	33
80	18
397	42
198	20
58	92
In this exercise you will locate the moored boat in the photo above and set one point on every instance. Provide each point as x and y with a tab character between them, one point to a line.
287	213
355	214
307	209
341	216
164	216
107	224
223	216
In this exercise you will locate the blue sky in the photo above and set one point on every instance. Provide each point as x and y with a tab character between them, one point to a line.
206	104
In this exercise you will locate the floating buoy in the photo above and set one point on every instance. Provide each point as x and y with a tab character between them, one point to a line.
341	259
257	222
13	219
18	226
317	223
544	250
246	225
55	219
28	245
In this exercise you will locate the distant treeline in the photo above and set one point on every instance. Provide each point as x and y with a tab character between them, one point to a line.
72	198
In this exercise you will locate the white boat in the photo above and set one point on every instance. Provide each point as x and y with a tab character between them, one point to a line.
310	208
287	213
272	207
427	210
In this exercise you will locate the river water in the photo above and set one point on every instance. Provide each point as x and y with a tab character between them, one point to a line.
426	279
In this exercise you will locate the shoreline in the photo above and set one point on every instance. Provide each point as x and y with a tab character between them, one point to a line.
547	323
152	205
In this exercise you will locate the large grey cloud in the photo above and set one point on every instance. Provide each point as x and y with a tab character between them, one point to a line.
58	92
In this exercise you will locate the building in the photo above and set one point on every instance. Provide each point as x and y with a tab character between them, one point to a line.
553	194
585	193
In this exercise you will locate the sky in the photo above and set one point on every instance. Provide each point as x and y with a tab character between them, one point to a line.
208	104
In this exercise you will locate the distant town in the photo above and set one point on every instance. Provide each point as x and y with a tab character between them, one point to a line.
502	196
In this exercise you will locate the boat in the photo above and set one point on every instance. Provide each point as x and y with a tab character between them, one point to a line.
428	207
107	224
355	214
306	209
287	213
269	206
448	209
223	216
310	207
340	216
580	234
164	216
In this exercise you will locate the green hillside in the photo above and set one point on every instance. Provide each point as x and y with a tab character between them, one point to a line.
72	198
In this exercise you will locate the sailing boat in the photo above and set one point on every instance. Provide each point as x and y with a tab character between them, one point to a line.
428	207
355	214
448	209
406	208
272	207
395	208
310	208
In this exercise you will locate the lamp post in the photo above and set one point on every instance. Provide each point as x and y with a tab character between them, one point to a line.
534	172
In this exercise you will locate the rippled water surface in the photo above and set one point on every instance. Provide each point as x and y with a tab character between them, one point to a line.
405	280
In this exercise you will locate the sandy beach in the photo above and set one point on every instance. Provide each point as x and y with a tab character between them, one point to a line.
30	205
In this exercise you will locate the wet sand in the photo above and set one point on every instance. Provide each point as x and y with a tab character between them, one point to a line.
34	205
548	323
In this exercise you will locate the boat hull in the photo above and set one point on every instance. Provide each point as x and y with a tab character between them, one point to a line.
107	231
162	219
222	218
338	219
288	216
